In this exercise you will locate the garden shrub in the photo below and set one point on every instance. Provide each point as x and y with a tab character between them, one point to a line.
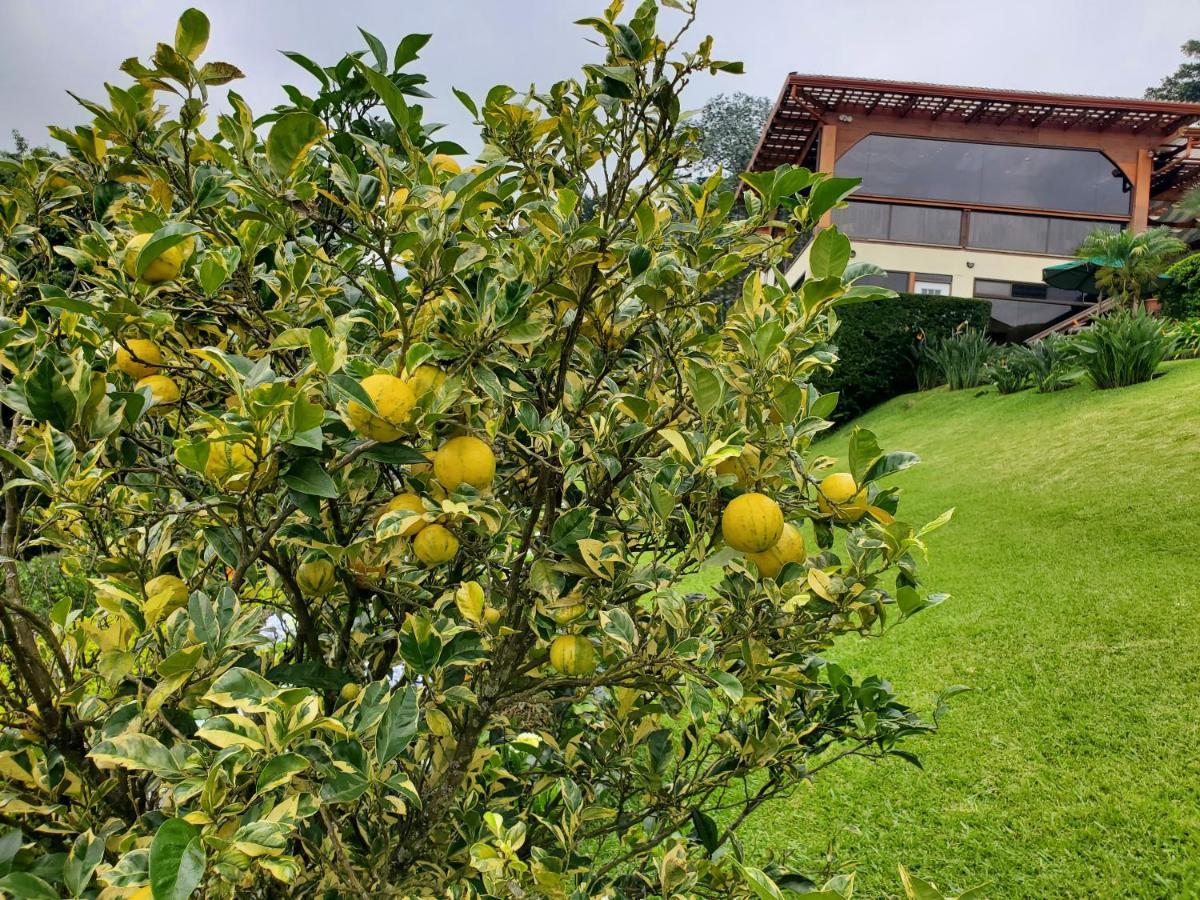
1185	335
1052	363
1123	348
961	359
878	345
1009	369
390	467
1179	293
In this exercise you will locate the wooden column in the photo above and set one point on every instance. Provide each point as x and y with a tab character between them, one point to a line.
1141	191
826	157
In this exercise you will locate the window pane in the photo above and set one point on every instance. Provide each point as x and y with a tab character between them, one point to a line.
1067	234
1001	231
925	225
863	220
897	281
997	174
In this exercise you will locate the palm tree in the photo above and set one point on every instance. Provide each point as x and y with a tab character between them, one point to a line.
1128	264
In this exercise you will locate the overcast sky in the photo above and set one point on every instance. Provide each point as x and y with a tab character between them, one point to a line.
1112	47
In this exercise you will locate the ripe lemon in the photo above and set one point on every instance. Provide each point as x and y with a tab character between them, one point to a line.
435	545
412	503
139	357
573	654
841	497
752	523
163	391
464	460
744	467
167	266
789	548
316	577
425	379
446	163
349	691
393	400
491	617
230	463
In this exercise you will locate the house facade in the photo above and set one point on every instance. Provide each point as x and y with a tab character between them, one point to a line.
973	192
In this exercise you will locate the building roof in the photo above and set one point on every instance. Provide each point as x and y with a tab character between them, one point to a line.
790	135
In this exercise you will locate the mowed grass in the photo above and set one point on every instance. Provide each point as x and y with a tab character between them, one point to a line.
1072	768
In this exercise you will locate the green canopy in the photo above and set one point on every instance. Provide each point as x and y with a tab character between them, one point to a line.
1078	274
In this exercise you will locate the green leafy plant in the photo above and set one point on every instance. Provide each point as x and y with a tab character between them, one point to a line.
1124	348
961	359
1179	292
1009	369
386	471
1130	262
1052	363
1185	335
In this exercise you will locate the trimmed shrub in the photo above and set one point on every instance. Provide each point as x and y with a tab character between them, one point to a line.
1124	348
1180	294
878	345
962	358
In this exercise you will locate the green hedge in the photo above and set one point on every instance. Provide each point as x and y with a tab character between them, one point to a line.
877	345
1180	296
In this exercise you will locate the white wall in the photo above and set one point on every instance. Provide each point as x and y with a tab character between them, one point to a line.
963	266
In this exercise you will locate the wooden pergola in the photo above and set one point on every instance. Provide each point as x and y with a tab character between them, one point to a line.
1150	140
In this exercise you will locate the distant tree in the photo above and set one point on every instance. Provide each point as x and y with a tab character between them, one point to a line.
729	128
1185	83
1133	261
20	145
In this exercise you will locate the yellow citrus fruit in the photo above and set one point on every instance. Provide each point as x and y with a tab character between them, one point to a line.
744	467
393	401
841	497
231	463
425	379
573	654
491	617
752	523
789	548
139	357
464	460
349	691
446	163
163	390
435	545
316	577
411	503
167	266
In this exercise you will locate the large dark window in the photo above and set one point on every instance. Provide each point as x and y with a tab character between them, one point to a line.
905	224
1050	178
1020	309
1030	234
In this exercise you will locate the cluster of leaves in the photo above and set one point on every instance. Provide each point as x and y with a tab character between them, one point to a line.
1123	348
212	716
961	360
1180	290
1129	263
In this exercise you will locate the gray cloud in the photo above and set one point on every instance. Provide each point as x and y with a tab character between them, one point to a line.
1088	46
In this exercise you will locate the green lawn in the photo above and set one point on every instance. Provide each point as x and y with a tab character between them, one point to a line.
1073	767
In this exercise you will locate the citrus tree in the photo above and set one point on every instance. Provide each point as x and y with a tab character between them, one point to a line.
442	537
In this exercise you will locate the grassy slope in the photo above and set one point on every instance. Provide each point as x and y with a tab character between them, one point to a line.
1071	770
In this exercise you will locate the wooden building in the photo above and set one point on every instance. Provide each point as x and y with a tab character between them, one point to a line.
972	192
